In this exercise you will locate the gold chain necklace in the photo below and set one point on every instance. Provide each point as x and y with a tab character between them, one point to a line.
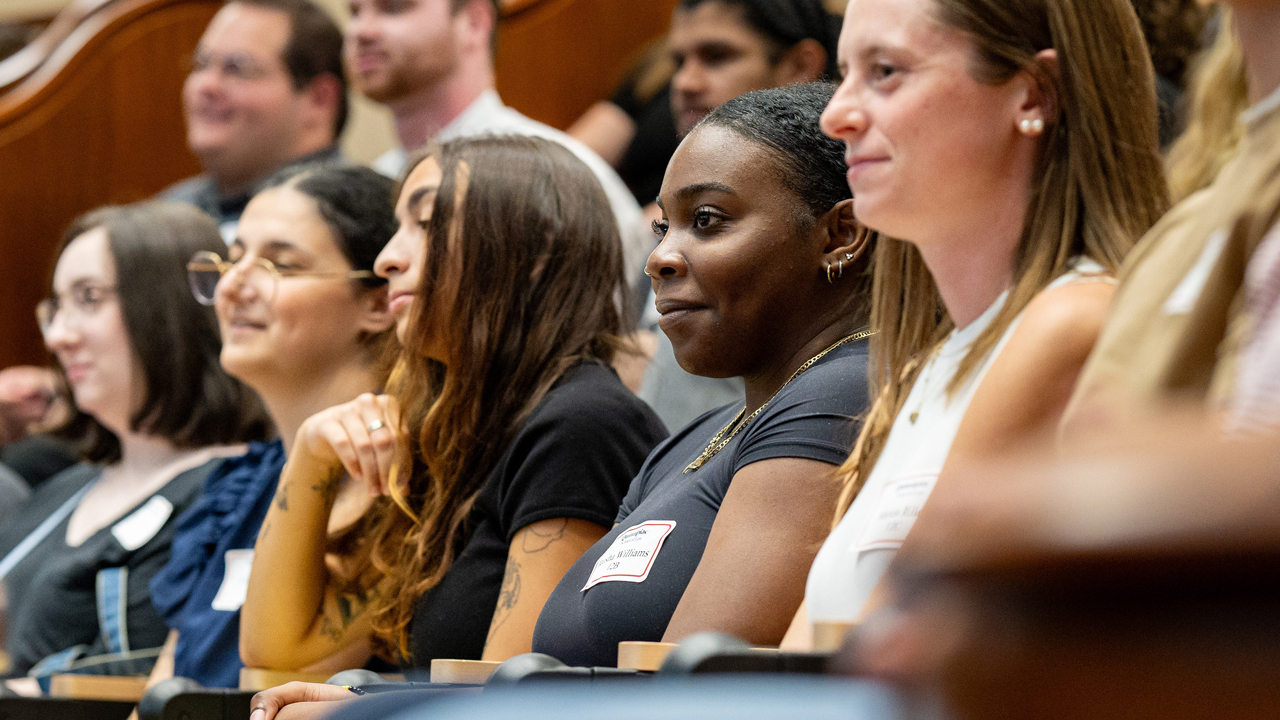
716	444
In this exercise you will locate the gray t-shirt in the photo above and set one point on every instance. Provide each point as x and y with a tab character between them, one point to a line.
812	418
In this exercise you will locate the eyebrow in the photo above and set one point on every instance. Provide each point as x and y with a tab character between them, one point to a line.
415	198
689	191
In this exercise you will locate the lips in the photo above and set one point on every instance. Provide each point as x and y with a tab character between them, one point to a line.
76	371
859	164
366	62
400	301
674	311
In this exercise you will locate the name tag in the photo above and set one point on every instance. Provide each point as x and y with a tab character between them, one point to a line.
896	512
631	556
1184	297
235	581
136	530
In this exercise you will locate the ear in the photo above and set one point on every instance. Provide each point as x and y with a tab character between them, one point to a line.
376	316
845	238
476	23
1039	98
803	62
322	98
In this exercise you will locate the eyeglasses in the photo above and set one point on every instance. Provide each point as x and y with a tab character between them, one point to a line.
206	270
83	302
234	65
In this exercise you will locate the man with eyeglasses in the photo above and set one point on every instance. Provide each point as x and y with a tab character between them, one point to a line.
266	90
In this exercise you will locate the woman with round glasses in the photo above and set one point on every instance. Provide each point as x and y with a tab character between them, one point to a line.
155	412
305	323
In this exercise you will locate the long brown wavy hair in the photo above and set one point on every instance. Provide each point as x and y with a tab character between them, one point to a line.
522	280
1100	186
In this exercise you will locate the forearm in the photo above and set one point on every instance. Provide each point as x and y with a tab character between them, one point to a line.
283	610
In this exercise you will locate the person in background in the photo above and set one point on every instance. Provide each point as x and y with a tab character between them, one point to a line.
431	63
266	90
1174	31
511	437
156	411
305	324
1015	206
1194	291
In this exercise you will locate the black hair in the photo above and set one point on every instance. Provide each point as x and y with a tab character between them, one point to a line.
187	397
356	203
787	22
314	49
785	120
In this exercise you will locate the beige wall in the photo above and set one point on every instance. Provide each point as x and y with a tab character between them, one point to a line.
27	9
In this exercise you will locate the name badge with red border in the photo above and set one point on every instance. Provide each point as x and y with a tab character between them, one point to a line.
631	556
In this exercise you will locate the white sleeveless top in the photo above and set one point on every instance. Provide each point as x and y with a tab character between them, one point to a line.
859	550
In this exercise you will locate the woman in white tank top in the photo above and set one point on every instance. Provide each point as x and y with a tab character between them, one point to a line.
1015	155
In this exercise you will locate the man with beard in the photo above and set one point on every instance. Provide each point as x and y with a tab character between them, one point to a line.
431	63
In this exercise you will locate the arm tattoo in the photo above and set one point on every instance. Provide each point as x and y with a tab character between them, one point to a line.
329	630
350	606
507	597
535	539
328	487
282	499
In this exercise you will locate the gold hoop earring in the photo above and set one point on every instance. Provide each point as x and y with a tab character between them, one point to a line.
840	271
830	278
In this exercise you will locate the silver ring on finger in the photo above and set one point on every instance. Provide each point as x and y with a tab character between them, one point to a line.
375	425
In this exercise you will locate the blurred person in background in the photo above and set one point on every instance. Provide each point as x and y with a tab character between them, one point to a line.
304	323
431	63
155	410
266	90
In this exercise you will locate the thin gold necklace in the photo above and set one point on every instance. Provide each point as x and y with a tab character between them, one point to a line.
716	444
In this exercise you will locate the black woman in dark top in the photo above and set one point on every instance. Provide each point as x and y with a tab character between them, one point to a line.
762	273
505	442
154	411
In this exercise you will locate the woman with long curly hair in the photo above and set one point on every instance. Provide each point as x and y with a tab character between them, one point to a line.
504	444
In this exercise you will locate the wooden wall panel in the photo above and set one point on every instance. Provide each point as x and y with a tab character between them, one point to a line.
557	57
99	122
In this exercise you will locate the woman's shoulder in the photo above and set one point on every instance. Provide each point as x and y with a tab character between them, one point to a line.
1067	315
837	382
591	394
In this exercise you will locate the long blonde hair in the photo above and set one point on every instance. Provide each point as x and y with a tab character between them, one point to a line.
1219	92
1100	186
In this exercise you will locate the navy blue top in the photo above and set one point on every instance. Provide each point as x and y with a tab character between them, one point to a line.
227	516
812	418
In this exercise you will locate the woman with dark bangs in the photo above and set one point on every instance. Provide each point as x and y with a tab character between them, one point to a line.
505	443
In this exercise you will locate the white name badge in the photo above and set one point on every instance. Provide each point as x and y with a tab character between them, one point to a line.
235	581
900	503
134	531
631	556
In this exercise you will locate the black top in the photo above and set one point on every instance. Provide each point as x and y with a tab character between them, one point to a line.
574	457
53	592
812	418
645	160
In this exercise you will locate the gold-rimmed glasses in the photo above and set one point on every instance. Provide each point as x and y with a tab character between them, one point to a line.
206	269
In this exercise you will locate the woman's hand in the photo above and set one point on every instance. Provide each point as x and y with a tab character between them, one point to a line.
266	704
361	435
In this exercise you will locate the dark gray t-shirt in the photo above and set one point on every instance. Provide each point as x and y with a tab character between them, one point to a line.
812	418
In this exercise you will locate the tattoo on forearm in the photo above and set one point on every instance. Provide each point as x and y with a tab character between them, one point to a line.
328	487
349	606
282	499
508	597
535	539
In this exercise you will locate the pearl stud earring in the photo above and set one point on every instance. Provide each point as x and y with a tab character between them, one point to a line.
1031	127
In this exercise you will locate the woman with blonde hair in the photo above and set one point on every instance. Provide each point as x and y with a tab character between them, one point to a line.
1011	146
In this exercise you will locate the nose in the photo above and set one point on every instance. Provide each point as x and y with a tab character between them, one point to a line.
666	262
690	79
234	285
844	117
394	260
59	335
